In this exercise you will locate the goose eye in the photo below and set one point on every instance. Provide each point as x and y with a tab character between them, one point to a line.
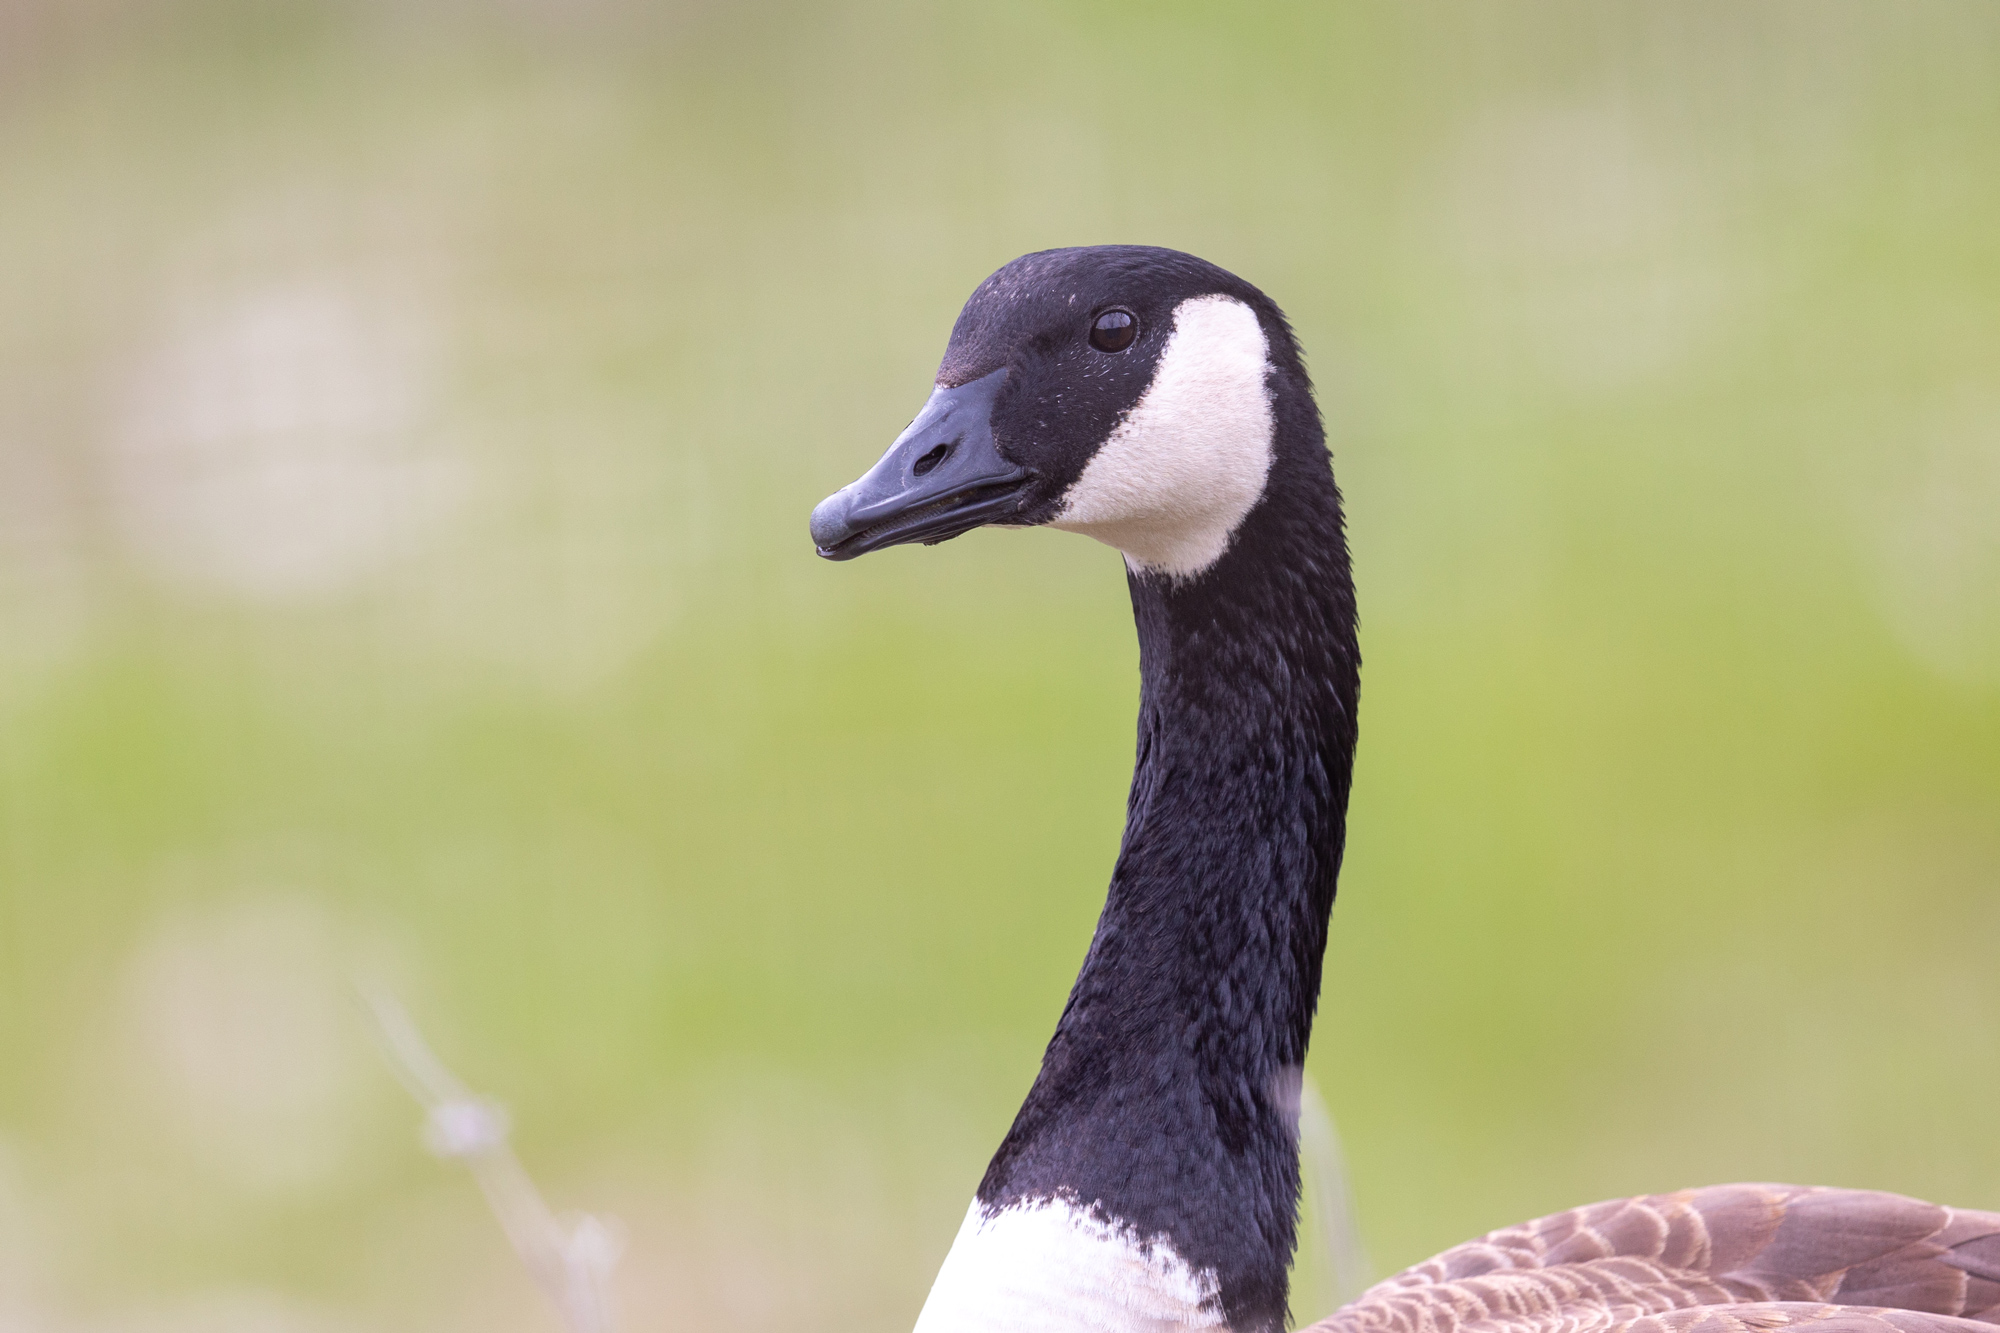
1114	331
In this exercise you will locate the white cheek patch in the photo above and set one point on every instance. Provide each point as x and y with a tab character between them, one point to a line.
1169	486
1051	1267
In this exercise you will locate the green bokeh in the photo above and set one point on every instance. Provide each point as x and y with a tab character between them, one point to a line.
1660	348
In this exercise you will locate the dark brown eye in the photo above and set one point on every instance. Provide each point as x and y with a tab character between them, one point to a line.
1114	330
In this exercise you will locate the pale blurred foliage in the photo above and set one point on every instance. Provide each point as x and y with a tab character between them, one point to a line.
236	1020
408	418
265	445
1939	558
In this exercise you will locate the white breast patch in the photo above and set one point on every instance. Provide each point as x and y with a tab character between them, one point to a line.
1051	1267
1180	472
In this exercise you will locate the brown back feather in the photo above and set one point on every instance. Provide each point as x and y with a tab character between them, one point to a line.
1727	1259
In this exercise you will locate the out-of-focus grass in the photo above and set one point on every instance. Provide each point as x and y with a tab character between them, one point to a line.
407	424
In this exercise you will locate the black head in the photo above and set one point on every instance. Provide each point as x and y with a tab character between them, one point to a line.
1122	391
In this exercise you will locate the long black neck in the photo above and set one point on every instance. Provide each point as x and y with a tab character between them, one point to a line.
1167	1100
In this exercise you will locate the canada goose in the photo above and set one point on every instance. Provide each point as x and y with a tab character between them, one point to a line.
1150	1181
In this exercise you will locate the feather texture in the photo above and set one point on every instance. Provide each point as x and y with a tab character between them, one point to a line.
1727	1259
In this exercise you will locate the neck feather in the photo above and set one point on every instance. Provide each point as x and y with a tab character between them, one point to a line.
1167	1101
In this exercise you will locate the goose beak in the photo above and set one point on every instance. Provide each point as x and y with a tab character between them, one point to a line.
942	477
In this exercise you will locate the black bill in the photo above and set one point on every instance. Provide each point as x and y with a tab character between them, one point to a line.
942	477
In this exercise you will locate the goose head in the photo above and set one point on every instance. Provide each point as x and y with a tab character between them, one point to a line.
1125	392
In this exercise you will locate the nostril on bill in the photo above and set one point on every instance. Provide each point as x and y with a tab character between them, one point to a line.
932	459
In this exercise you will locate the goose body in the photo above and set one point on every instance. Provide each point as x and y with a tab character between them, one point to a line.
1727	1259
1150	1181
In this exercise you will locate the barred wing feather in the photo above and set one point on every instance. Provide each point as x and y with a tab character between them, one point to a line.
1727	1259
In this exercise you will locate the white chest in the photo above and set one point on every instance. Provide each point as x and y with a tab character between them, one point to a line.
1053	1268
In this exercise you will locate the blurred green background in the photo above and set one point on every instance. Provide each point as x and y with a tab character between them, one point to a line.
409	415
